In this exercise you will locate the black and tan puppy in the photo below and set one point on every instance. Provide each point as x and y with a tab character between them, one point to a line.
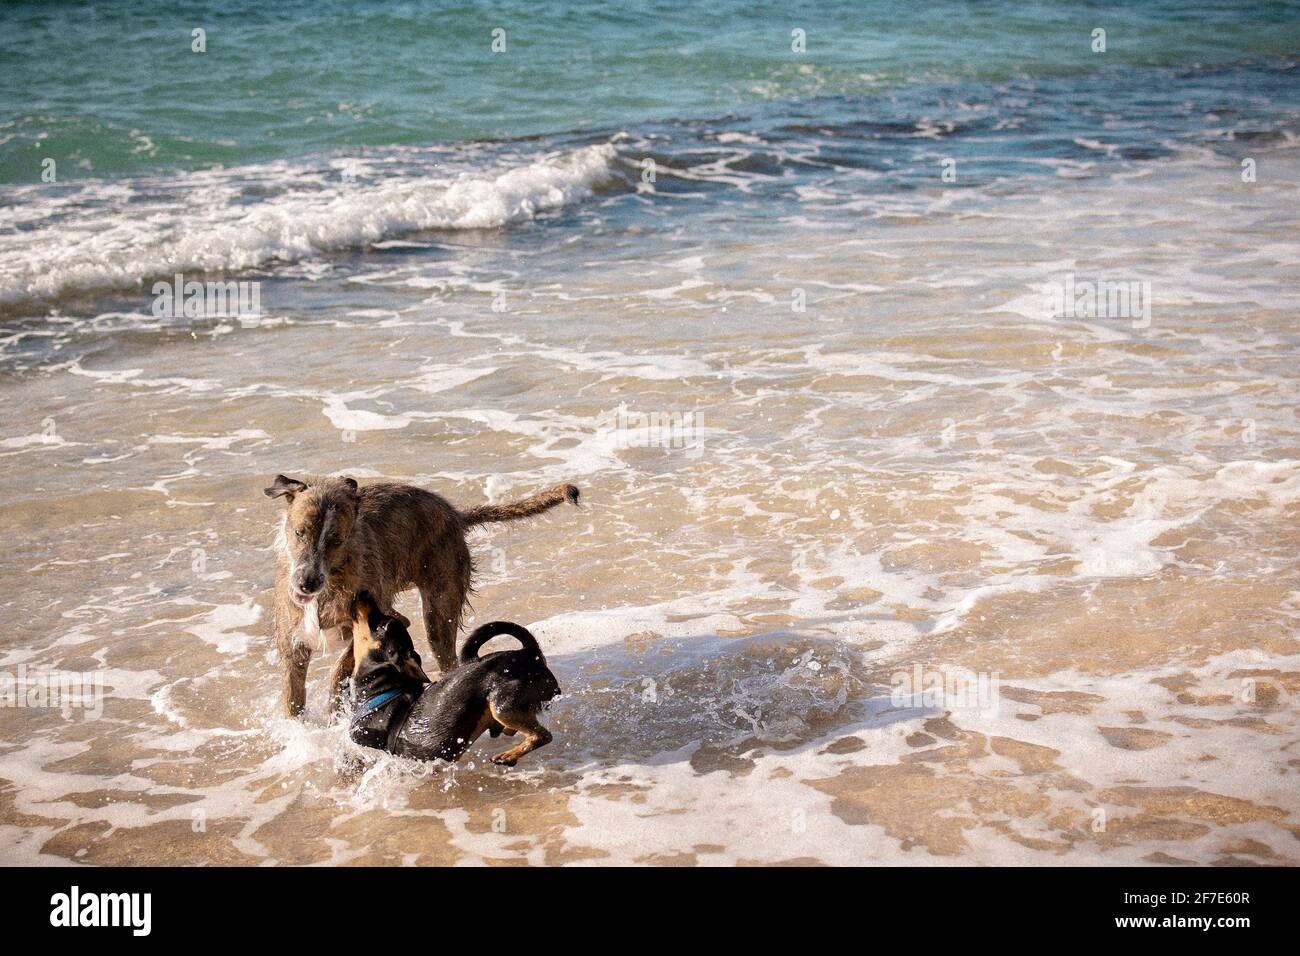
400	711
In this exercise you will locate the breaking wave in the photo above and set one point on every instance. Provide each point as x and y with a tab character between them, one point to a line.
115	235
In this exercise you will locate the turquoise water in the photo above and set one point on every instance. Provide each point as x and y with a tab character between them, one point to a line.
114	89
313	130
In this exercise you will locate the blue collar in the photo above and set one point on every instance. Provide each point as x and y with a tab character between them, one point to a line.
377	701
379	720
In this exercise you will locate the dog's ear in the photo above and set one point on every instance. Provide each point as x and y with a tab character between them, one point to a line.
351	483
409	665
284	488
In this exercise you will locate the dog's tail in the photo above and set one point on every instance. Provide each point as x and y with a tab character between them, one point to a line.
485	633
523	508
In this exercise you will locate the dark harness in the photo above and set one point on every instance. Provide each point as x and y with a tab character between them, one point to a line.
379	719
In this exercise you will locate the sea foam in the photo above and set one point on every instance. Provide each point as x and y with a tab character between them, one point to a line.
117	235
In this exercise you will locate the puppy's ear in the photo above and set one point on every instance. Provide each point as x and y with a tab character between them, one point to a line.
351	483
284	487
410	666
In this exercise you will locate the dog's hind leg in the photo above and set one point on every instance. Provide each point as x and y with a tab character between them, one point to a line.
443	602
443	587
524	721
441	622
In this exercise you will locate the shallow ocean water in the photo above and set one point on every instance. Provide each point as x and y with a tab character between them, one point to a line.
827	429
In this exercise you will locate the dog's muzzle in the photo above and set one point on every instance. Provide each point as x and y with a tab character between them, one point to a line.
303	587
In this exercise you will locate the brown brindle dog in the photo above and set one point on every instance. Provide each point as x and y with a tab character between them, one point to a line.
339	539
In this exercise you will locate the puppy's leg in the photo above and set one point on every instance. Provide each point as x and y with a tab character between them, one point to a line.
522	720
341	671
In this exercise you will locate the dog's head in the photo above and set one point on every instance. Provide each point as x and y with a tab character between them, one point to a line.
382	648
318	528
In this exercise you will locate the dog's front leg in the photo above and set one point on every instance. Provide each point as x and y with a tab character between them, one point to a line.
294	681
341	671
294	657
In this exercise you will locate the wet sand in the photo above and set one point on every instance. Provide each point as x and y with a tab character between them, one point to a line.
920	470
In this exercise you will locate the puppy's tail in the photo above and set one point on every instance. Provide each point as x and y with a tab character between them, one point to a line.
523	508
485	633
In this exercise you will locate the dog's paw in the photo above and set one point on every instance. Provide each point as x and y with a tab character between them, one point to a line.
504	759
